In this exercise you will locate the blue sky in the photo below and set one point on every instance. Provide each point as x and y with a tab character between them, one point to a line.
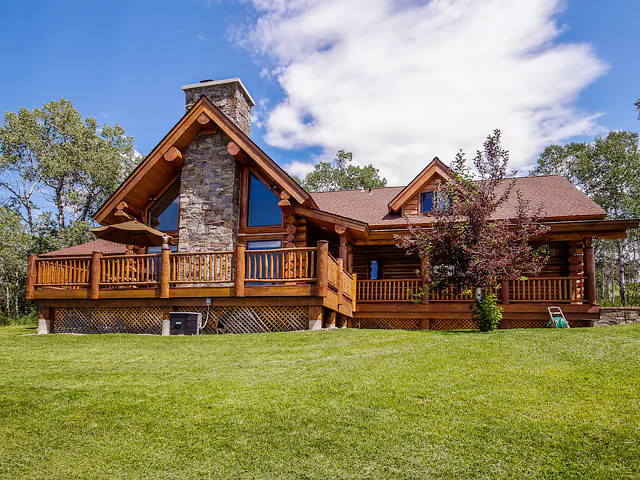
124	62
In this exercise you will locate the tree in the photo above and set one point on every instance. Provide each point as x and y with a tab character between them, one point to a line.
51	153
465	245
15	245
342	175
606	170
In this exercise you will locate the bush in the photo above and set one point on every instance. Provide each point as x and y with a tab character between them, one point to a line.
29	319
486	312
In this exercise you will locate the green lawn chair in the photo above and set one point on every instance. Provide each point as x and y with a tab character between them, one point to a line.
557	318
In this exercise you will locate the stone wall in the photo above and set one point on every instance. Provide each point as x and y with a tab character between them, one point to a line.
228	97
210	180
209	196
617	316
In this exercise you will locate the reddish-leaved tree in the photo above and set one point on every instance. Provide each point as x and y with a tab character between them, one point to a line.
468	243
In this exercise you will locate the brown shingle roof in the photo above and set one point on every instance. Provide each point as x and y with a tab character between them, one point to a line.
560	198
104	246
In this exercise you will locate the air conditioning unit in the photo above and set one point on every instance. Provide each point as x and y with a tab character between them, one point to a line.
185	323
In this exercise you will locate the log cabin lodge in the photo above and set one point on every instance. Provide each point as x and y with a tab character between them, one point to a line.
255	252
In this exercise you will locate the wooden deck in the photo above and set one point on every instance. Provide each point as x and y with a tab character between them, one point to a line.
291	277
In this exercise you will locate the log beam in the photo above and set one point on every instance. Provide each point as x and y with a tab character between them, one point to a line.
207	127
236	152
174	156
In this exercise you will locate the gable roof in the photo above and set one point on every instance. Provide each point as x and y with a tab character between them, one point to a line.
158	173
435	167
560	198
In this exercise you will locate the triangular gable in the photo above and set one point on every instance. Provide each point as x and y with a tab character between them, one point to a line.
435	168
155	172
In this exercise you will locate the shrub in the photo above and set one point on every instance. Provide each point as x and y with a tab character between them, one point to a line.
486	312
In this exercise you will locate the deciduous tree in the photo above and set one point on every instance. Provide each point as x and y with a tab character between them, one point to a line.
465	244
341	174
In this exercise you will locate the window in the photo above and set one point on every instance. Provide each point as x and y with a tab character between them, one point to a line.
426	202
264	244
164	214
429	200
263	205
374	270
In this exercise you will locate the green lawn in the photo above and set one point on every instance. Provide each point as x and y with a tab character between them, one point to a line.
338	404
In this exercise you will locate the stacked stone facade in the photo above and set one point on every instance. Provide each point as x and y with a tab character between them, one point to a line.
210	179
228	97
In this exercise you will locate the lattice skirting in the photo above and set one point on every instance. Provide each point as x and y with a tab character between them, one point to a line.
108	320
251	319
388	323
453	324
529	323
149	319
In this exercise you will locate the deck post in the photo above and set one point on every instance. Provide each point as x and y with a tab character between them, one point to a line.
340	286
44	321
505	292
31	277
354	292
590	270
330	319
166	326
94	279
240	270
315	317
424	285
322	270
165	271
425	324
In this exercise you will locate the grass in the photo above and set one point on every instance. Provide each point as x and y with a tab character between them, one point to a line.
338	404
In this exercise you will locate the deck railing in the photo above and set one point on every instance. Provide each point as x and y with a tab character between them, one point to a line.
201	268
129	271
529	290
284	264
60	272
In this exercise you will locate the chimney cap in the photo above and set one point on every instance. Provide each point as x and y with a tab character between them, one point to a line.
211	83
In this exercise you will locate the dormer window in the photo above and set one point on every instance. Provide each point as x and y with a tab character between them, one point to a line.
426	202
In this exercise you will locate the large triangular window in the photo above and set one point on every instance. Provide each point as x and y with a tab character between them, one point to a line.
263	204
165	213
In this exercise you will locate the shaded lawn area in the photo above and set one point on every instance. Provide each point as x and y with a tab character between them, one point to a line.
338	404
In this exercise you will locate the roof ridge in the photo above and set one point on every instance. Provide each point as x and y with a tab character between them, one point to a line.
359	189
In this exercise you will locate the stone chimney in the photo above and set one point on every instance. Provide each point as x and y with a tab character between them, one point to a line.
210	178
228	95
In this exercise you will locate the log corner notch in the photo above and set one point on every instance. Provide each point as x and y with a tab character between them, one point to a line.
174	156
236	152
207	127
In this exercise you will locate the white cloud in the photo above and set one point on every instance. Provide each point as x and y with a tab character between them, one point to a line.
298	168
398	83
201	37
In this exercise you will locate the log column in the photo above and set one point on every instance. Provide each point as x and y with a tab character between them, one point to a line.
424	284
45	322
31	278
94	279
315	317
590	271
322	270
165	270
240	270
166	326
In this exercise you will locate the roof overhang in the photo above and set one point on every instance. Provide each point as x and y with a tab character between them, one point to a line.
328	221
